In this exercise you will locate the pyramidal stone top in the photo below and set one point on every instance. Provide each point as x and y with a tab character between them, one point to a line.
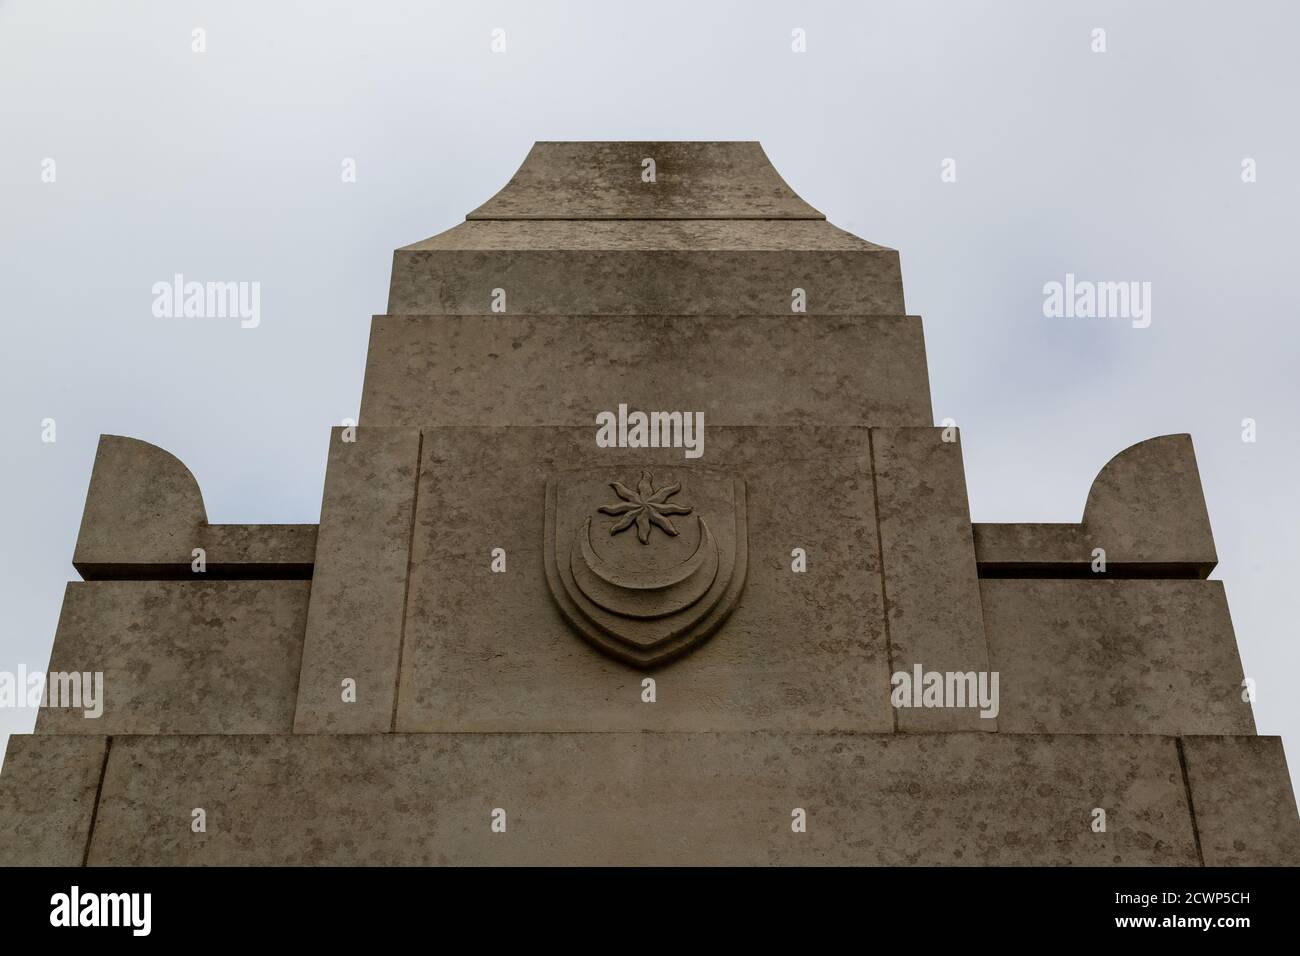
643	228
646	180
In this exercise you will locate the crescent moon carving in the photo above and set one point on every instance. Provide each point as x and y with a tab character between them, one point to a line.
650	581
631	595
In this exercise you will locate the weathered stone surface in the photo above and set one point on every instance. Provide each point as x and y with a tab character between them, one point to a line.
931	585
1241	794
696	267
1145	509
738	370
636	798
762	691
1109	656
47	799
193	657
358	594
491	652
145	516
692	180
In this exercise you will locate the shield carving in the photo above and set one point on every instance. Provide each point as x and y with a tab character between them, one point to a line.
646	570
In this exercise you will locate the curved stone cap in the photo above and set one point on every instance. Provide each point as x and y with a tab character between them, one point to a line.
1148	500
604	180
1145	508
138	493
144	517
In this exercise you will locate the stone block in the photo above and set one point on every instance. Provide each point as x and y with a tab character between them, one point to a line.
928	557
1241	794
358	593
738	370
697	267
1112	656
47	799
193	657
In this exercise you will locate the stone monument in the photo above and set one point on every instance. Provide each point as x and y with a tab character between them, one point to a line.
646	550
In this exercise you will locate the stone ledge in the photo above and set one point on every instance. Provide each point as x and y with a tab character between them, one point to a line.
632	281
645	798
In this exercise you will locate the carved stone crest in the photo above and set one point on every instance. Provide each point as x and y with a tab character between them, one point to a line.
646	573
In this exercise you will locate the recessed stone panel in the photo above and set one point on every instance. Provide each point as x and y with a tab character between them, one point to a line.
491	651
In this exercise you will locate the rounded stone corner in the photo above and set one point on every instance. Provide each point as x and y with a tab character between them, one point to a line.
139	495
1149	498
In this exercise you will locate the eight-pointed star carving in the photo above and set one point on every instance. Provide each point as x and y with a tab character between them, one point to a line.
645	507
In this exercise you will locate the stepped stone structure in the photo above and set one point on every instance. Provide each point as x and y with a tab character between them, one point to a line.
646	550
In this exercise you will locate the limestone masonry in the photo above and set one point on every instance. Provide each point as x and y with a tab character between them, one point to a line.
534	626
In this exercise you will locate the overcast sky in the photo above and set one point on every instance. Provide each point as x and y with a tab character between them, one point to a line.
1122	165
